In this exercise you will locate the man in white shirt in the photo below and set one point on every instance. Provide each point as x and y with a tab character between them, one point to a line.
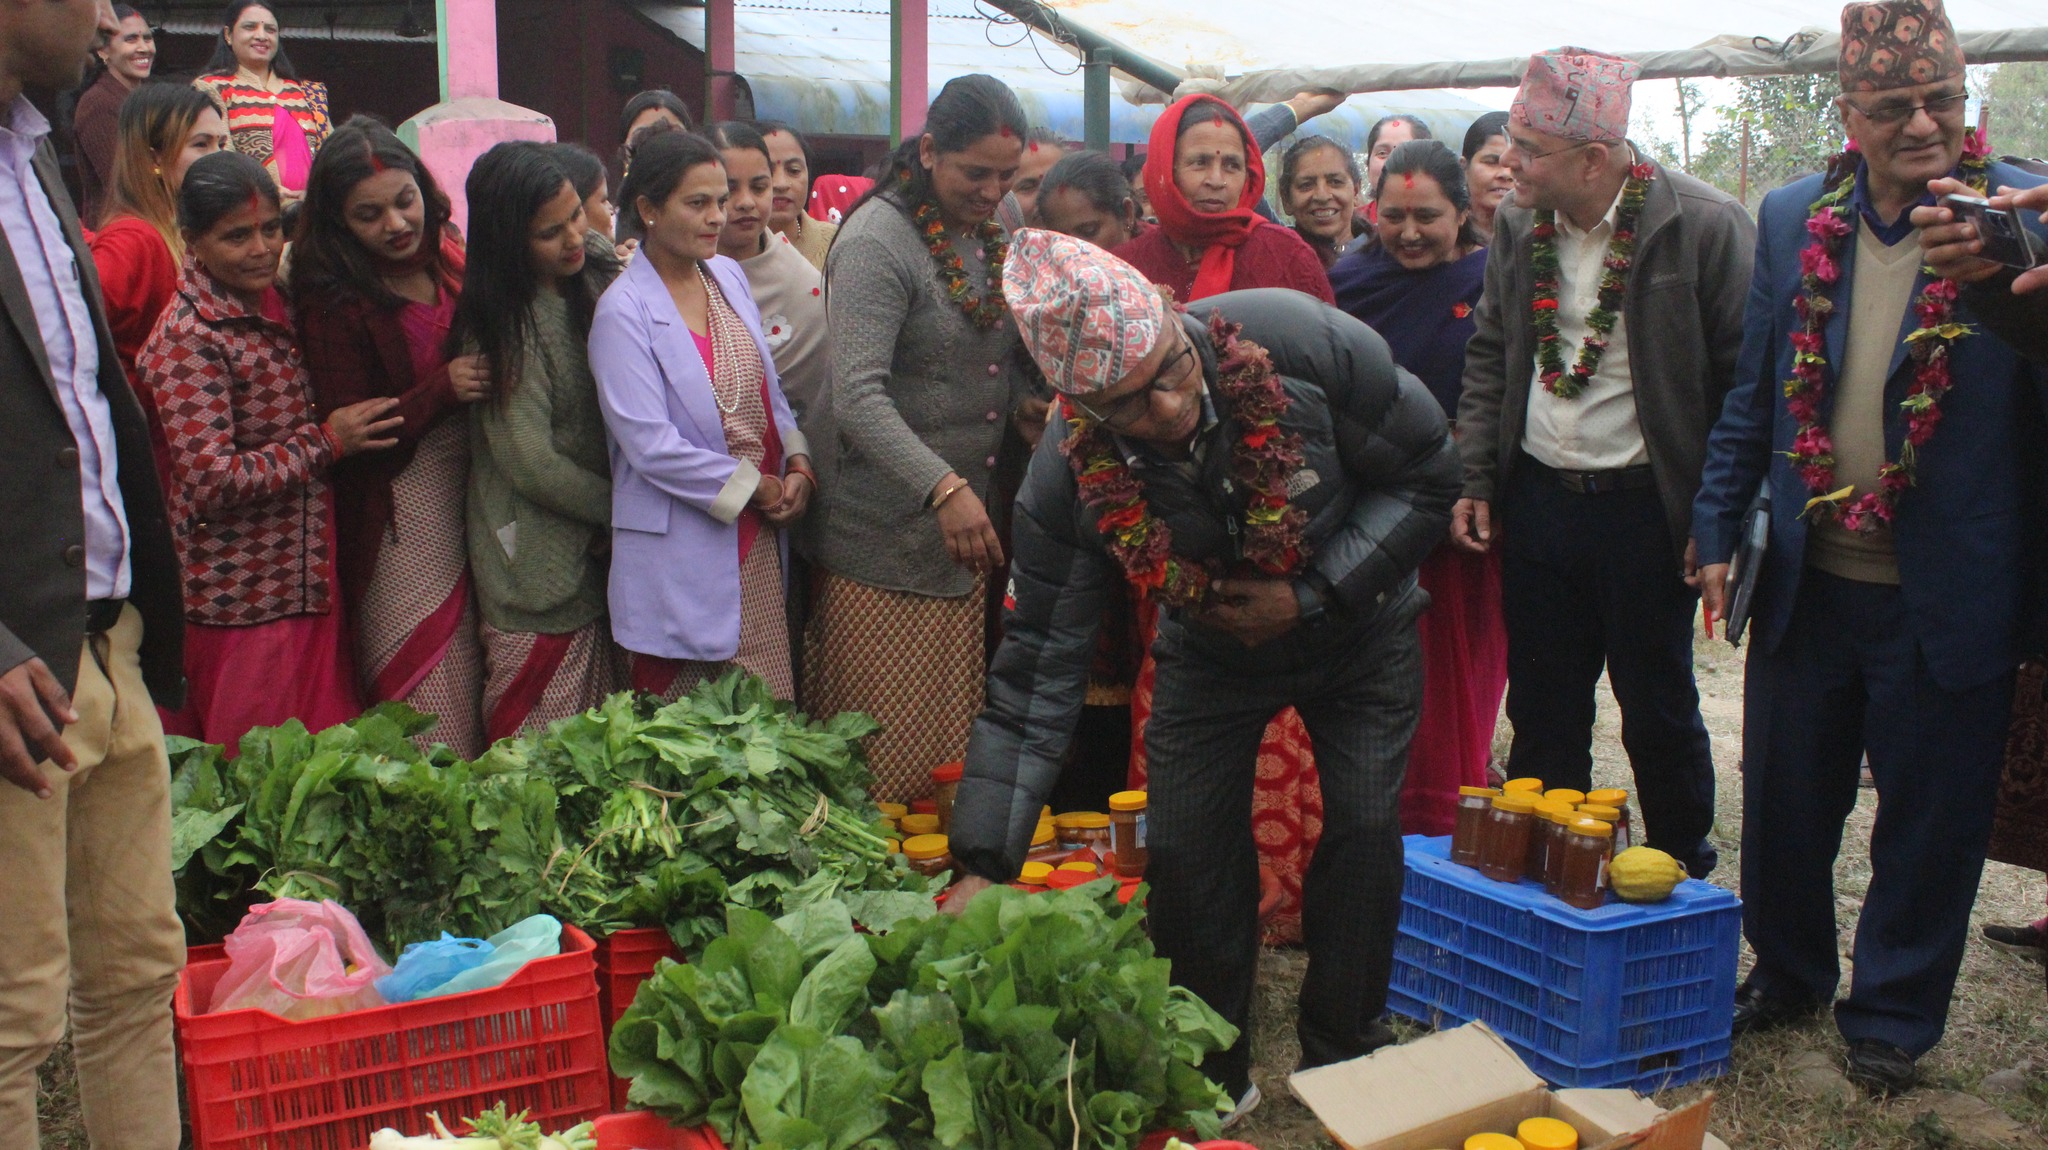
91	632
1606	340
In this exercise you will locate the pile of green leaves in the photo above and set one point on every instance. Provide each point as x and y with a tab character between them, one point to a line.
1005	1027
620	817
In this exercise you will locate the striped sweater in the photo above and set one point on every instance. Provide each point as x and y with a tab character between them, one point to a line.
252	110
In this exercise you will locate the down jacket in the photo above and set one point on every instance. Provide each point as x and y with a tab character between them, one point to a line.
1378	481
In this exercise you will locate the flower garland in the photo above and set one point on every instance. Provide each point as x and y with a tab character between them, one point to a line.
1830	221
984	311
1621	251
1263	460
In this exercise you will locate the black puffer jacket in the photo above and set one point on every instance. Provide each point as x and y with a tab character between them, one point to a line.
1378	481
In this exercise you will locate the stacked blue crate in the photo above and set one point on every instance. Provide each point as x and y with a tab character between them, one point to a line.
1625	996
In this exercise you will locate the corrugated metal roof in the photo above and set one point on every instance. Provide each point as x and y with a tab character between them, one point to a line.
371	20
824	67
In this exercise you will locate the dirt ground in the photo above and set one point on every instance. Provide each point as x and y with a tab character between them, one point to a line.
1777	1096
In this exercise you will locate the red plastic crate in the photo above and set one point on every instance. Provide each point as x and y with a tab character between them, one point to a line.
255	1081
624	960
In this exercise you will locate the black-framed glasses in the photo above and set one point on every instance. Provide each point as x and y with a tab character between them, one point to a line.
1936	108
1529	153
1126	410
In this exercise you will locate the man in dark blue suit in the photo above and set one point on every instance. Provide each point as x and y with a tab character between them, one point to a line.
1890	617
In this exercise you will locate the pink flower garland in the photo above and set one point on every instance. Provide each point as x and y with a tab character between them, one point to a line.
1830	222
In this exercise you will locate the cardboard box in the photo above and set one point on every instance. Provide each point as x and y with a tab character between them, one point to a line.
1433	1093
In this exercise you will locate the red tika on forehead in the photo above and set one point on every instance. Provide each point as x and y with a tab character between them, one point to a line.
1408	180
1003	130
377	166
1033	145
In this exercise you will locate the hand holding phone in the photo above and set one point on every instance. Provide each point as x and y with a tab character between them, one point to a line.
2005	237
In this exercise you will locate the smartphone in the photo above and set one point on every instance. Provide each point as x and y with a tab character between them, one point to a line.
2006	238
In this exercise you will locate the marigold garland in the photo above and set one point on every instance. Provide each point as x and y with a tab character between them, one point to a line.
1263	461
1830	221
988	309
1606	311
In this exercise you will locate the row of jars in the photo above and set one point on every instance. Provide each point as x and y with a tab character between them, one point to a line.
1561	838
1119	835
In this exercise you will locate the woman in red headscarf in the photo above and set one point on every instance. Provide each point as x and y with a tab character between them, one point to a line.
1203	174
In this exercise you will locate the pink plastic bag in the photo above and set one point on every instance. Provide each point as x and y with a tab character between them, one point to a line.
290	149
300	960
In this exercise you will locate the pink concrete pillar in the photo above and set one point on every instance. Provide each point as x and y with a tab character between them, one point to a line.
909	67
720	63
469	48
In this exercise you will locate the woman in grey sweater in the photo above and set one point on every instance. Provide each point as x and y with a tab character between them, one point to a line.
540	483
924	381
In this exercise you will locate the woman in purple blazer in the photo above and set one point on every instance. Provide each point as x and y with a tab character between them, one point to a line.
708	466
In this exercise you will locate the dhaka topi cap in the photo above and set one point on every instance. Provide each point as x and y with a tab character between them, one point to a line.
1898	44
1576	94
1086	316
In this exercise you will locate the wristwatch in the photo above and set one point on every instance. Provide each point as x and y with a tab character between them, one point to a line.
1309	599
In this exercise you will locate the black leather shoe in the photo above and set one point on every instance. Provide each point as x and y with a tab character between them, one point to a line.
1757	1012
1880	1067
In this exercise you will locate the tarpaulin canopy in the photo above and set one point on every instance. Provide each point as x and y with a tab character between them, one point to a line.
1281	47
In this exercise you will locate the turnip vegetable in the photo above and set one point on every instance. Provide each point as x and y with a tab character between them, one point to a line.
491	1130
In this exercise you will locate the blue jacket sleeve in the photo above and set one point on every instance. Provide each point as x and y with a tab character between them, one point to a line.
1739	447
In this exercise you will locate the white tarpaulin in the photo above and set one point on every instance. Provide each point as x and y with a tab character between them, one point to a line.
1271	50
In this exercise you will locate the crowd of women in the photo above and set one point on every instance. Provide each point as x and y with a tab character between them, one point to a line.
635	436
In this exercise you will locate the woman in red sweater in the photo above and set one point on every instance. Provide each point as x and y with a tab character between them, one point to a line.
1203	173
250	504
376	272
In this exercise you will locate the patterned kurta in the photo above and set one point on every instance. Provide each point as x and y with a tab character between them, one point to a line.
251	111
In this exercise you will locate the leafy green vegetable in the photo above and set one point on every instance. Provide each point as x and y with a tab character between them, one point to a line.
988	1031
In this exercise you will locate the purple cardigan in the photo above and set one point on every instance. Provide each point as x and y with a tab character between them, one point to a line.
676	494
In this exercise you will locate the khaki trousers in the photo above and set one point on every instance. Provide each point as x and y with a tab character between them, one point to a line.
88	916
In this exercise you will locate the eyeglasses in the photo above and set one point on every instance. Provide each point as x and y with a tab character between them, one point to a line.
1122	413
1936	108
1529	153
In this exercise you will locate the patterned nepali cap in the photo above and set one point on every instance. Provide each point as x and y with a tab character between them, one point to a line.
1576	94
1898	44
1088	317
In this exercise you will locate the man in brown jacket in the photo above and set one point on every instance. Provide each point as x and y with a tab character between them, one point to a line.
91	634
1607	338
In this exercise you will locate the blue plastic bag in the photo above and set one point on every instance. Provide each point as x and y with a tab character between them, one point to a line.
510	949
427	965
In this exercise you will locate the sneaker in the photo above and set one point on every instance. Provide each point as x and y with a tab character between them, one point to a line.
1246	1103
2029	942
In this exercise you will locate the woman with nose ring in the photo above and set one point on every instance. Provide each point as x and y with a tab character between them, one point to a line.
1203	174
1418	285
273	115
376	273
925	376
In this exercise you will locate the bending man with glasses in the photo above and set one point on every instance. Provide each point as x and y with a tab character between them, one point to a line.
1898	408
1258	466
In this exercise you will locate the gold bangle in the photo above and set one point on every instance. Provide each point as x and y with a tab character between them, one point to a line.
948	493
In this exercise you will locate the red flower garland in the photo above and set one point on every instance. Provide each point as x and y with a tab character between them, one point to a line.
1264	460
1606	311
1830	222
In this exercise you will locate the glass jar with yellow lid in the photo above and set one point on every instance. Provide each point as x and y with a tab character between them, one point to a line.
1127	832
1473	803
929	855
1624	827
1544	837
1547	1134
1504	846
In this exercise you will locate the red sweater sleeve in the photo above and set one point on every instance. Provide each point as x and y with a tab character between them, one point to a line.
1289	262
346	358
138	279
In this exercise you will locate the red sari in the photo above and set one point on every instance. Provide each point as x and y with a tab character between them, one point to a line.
1287	800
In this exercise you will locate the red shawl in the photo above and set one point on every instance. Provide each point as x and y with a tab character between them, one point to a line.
1218	234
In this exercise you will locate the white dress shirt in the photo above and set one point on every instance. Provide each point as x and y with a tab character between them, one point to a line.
1597	430
49	270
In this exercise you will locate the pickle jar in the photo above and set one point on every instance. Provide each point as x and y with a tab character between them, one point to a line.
928	855
1045	844
1624	827
892	813
1553	864
1083	830
1504	846
1493	1142
1606	814
945	788
1565	795
1547	1134
1587	847
1473	803
1127	832
1032	878
913	825
1532	785
1544	837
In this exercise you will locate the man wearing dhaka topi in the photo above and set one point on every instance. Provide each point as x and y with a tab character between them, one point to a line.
1899	434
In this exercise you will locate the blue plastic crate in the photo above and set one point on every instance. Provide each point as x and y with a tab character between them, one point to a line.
1626	995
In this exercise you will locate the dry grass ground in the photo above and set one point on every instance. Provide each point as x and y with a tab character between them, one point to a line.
1998	1021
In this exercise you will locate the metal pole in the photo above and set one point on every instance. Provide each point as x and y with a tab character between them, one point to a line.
1139	67
909	68
719	60
1096	98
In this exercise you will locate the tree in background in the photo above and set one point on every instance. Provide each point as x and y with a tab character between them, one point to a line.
1794	130
2017	101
